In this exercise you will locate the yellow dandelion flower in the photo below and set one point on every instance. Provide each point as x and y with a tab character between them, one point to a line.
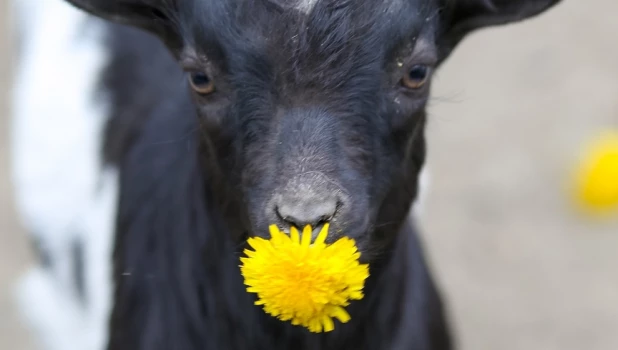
596	187
305	283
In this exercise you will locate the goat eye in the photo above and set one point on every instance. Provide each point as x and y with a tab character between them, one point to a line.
417	77
201	83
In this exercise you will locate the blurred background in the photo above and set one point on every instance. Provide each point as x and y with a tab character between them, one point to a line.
520	267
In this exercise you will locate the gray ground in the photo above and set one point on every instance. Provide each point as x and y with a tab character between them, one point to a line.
520	268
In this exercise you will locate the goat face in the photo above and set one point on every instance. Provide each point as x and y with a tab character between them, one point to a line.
313	110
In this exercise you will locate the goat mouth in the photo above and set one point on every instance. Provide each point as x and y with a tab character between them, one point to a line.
314	229
286	229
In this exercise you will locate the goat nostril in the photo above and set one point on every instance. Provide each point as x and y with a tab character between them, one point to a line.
310	212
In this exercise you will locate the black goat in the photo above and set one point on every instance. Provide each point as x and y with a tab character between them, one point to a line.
253	112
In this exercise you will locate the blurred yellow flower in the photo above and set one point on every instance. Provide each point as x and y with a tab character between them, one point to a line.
596	187
306	283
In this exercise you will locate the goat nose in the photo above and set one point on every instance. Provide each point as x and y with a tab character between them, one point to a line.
308	211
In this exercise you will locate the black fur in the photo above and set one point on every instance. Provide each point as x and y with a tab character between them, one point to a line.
296	94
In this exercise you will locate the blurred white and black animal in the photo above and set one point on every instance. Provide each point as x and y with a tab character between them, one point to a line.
152	137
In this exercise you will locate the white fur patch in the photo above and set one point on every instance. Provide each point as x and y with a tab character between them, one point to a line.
51	306
305	6
423	187
62	193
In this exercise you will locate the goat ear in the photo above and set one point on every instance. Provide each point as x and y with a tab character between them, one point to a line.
152	15
460	17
